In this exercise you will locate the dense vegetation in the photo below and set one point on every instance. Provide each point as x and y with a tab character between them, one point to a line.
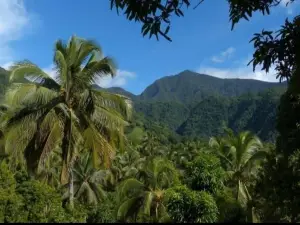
64	156
240	104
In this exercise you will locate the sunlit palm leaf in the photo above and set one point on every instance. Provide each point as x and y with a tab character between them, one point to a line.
22	71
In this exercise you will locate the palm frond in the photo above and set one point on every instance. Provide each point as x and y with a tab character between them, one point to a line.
97	69
28	94
128	187
257	156
72	49
109	118
102	150
61	66
26	71
52	140
114	101
129	208
32	112
87	47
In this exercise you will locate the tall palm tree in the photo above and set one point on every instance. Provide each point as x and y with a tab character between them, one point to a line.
66	110
87	181
242	154
143	196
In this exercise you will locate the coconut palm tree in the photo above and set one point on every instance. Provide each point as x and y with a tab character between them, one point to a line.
124	165
149	145
66	110
223	151
185	152
142	197
242	154
87	181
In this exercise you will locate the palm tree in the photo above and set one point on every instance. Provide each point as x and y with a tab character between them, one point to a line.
143	196
242	153
185	152
223	151
87	181
150	145
65	111
130	163
124	165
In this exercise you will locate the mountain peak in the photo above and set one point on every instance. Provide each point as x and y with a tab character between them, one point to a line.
189	86
186	71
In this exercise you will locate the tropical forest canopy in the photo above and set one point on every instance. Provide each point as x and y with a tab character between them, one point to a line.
191	148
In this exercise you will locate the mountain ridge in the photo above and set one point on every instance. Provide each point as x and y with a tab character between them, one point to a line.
189	86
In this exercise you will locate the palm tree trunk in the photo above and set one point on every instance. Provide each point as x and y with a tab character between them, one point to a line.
71	183
237	190
71	189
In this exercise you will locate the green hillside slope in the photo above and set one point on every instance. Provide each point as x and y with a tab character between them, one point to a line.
188	87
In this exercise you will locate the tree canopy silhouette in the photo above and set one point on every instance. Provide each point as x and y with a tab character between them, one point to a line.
155	15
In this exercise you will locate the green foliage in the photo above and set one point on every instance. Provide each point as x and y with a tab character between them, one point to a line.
282	49
104	212
156	15
3	81
242	154
205	119
274	199
87	181
142	199
170	113
42	203
11	204
136	135
187	206
31	201
205	174
90	118
230	210
11	207
254	112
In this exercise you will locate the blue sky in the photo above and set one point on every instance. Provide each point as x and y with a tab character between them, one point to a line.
202	39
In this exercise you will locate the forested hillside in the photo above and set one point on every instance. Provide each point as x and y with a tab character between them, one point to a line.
196	105
188	87
255	112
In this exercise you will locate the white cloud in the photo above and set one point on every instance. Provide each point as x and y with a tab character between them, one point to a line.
7	65
223	55
242	72
118	81
14	18
50	71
